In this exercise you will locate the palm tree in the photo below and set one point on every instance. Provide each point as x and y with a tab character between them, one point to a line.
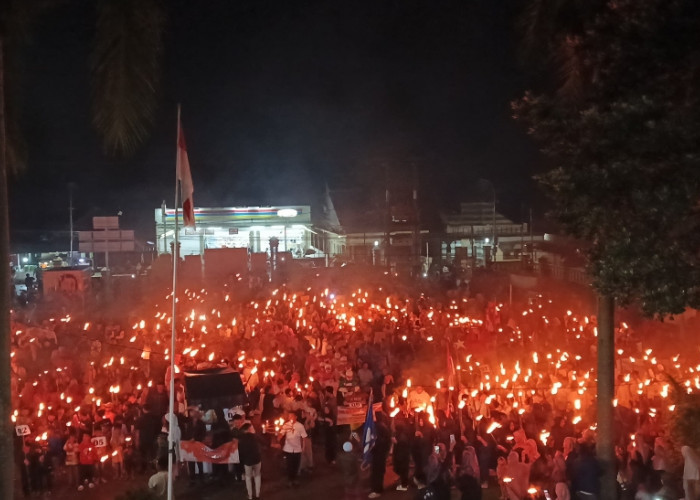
125	73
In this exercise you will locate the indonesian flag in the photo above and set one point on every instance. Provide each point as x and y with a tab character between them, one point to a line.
451	372
185	177
451	376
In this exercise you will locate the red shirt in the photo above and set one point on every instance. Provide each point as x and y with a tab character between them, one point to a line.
86	455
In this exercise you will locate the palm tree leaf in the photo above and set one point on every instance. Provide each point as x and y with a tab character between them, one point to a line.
125	71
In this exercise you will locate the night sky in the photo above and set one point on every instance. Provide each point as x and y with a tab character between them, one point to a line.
278	99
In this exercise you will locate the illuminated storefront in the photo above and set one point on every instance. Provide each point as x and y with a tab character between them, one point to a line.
244	227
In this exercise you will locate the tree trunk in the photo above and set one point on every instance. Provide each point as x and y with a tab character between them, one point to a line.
605	446
6	430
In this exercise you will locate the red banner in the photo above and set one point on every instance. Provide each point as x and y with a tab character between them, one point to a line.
203	453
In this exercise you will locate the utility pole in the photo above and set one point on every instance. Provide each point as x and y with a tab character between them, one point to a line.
493	243
415	259
532	240
522	238
71	186
165	227
387	218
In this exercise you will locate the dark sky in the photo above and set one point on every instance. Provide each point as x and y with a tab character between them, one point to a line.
280	97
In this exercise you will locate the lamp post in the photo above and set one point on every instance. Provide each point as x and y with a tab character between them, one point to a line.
483	182
374	252
71	186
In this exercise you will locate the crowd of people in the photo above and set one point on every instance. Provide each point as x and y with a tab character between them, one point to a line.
467	393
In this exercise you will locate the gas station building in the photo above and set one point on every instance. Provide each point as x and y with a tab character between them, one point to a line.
247	227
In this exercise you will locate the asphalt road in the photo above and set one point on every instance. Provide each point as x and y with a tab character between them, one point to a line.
324	480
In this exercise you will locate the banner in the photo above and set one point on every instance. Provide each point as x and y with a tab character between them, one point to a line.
352	416
523	281
194	451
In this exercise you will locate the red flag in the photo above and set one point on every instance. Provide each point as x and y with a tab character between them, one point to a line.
185	177
451	372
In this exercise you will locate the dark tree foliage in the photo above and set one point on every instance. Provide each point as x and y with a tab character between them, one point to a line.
623	128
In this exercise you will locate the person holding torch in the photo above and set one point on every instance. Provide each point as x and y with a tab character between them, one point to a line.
293	433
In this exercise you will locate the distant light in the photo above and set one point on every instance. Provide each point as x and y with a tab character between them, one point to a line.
25	259
425	275
486	240
81	261
287	212
376	243
150	243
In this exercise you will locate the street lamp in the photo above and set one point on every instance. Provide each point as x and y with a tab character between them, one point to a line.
482	183
374	252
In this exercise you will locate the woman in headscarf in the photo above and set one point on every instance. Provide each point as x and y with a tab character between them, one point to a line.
437	472
658	461
174	429
562	491
518	475
691	473
468	477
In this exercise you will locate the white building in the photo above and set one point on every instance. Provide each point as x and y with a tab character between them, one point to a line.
240	227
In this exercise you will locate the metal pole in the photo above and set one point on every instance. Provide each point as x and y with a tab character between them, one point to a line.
171	406
532	241
493	243
70	218
510	294
165	227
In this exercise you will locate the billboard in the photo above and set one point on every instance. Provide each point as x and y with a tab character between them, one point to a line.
66	281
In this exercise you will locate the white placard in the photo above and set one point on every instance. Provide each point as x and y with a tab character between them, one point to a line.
22	430
99	441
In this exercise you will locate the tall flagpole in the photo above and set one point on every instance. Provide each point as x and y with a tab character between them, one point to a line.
171	410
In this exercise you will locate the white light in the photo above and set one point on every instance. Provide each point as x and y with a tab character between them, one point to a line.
81	260
376	243
25	259
486	240
287	212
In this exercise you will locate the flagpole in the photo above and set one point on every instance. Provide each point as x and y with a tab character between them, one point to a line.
171	407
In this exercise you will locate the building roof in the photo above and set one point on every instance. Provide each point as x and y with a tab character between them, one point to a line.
475	214
358	210
298	214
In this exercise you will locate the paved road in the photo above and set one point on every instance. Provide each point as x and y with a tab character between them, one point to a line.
324	480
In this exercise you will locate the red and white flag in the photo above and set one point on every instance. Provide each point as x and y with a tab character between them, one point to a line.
451	371
185	177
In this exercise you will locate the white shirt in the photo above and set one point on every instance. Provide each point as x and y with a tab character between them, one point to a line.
691	468
294	433
416	400
158	482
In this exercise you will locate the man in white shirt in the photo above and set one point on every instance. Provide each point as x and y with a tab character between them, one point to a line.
158	482
294	434
418	398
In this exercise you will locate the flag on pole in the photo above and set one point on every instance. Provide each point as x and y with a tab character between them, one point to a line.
451	378
451	372
369	433
185	177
